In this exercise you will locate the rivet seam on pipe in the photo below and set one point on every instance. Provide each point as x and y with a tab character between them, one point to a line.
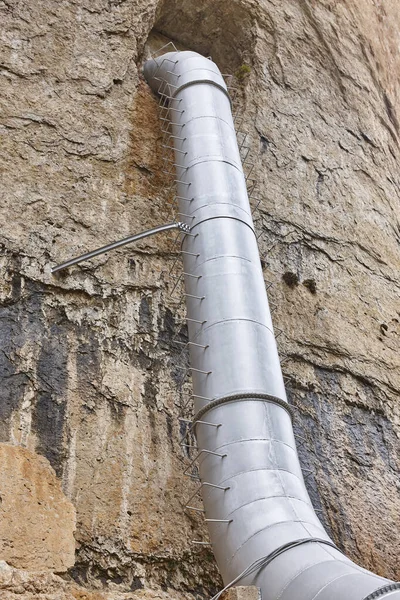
248	397
386	589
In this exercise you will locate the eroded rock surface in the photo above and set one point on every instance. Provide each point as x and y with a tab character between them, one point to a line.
91	376
17	584
37	521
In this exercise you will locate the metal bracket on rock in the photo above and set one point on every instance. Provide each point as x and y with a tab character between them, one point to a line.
132	238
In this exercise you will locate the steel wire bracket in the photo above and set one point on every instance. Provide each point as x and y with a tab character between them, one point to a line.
132	238
263	562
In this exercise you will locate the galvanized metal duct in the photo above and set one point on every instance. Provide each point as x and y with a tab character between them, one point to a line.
254	496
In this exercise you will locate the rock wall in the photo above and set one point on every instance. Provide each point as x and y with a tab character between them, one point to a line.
91	374
37	522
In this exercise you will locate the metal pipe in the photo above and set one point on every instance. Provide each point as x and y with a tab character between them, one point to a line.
274	538
132	238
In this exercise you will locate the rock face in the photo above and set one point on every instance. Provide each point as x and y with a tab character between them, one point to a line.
38	585
37	522
90	365
242	593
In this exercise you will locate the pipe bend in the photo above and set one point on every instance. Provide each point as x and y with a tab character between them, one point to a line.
181	69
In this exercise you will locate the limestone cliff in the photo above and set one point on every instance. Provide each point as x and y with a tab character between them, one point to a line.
91	374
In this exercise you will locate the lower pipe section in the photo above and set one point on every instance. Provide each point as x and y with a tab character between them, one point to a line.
268	510
262	525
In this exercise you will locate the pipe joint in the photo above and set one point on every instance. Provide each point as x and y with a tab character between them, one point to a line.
386	589
190	69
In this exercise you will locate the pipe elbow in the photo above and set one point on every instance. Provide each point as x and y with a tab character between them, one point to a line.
174	71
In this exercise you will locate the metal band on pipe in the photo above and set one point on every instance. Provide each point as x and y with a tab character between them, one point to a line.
386	589
265	561
244	397
208	81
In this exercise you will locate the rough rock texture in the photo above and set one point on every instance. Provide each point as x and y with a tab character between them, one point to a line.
37	522
242	593
38	585
91	378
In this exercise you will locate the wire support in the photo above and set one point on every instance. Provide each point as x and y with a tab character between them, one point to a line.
178	279
218	521
165	98
243	140
171	172
187	275
247	177
257	205
174	137
192	476
192	344
114	245
170	108
195	321
246	155
187	507
182	198
204	451
173	148
153	56
207	484
193	370
193	425
170	162
263	562
193	296
197	542
189	400
253	183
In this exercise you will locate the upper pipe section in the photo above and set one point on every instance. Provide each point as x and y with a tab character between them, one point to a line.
221	258
253	491
165	77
